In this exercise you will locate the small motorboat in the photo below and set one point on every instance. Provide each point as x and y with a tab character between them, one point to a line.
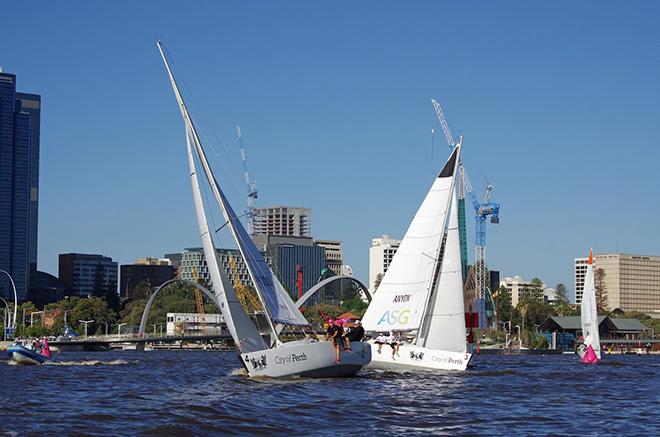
21	354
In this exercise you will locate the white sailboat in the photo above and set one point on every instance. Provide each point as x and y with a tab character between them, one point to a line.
589	350
271	358
421	294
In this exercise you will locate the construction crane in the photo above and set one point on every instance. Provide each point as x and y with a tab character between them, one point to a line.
484	209
252	192
248	299
199	300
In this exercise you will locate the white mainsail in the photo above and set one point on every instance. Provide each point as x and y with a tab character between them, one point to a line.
444	322
401	298
589	311
276	301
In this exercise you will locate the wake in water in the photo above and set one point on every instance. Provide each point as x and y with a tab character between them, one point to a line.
91	363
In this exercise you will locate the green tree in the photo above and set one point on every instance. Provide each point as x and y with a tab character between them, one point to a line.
355	305
601	291
377	281
503	304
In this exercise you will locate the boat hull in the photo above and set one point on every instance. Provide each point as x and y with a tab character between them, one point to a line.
22	355
308	359
411	358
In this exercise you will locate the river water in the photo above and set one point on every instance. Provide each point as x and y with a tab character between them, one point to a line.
206	393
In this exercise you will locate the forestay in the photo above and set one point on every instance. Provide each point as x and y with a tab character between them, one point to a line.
589	311
399	301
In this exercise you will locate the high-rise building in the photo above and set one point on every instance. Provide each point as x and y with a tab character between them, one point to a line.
31	103
19	176
520	289
333	255
283	220
631	282
292	256
86	274
381	253
152	271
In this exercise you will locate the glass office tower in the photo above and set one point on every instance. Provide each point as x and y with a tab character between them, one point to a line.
17	178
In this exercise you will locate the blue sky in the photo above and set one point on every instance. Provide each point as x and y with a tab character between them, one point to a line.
558	104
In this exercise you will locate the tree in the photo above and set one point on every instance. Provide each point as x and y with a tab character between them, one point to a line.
562	304
601	291
503	304
377	281
561	295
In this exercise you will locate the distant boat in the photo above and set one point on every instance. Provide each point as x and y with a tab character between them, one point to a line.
271	357
21	354
589	350
420	298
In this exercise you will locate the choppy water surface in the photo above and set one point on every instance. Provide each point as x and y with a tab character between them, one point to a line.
193	393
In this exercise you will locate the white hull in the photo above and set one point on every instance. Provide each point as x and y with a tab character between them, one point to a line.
412	357
306	358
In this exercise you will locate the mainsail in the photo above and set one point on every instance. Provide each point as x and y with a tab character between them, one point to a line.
276	301
239	324
444	322
589	311
401	298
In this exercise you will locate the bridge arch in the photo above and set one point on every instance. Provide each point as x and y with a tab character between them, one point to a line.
145	314
309	293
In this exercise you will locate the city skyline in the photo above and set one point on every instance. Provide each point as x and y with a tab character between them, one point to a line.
336	116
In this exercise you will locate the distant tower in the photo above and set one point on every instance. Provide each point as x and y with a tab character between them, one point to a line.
19	167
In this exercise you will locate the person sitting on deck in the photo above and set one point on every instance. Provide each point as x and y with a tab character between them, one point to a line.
334	333
381	340
355	334
394	340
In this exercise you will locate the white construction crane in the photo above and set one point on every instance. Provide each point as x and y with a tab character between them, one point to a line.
252	192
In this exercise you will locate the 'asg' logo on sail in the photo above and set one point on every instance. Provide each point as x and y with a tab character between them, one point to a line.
395	317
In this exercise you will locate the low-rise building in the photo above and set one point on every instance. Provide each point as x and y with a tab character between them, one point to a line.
184	324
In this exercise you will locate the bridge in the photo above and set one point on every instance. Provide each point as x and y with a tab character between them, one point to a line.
105	342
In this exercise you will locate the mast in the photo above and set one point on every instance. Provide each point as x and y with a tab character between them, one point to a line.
240	326
278	305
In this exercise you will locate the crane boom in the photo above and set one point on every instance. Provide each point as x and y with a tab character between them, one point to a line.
252	192
443	122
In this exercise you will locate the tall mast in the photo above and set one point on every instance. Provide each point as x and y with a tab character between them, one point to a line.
239	324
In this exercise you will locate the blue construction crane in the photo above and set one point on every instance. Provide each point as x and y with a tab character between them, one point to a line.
482	210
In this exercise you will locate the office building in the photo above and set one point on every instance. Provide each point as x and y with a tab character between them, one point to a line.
333	254
19	179
87	274
291	257
631	282
381	252
283	220
519	289
150	271
193	267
